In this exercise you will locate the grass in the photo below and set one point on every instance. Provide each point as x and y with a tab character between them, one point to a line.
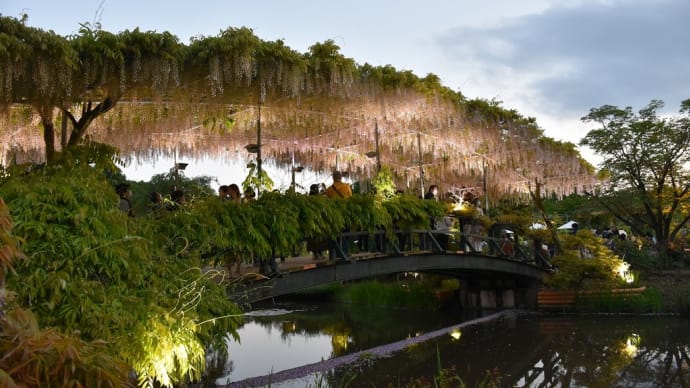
650	301
392	295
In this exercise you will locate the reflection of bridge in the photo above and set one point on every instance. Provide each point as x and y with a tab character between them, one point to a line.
490	278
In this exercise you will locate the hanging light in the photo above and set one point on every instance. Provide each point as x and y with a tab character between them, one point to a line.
252	148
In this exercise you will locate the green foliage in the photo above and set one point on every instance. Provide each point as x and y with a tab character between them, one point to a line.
137	283
328	67
384	185
331	291
648	302
36	357
583	208
256	179
374	294
647	157
585	263
640	256
8	248
409	212
450	284
195	189
35	64
95	271
166	349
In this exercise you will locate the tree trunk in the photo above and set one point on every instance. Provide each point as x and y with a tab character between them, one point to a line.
536	197
63	131
49	136
89	114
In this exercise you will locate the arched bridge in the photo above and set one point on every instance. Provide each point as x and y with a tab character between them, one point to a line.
490	269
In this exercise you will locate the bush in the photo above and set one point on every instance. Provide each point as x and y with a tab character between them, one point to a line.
585	263
94	271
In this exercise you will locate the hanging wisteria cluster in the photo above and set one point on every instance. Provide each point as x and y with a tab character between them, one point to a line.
148	94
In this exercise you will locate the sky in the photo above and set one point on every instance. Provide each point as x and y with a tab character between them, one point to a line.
553	60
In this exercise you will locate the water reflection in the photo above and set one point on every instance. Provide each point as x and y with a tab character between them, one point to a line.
293	335
265	350
541	351
518	350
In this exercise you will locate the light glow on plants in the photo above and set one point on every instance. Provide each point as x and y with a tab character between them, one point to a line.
456	334
622	270
631	345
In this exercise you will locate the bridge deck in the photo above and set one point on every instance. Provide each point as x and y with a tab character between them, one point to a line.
357	255
305	262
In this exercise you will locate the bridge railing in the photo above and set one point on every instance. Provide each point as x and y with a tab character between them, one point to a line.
363	244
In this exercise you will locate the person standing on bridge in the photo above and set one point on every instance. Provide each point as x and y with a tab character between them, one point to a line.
125	194
507	245
338	189
432	193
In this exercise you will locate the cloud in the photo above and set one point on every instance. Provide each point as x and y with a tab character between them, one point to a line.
569	59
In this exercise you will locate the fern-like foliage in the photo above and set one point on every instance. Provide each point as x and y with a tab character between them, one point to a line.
94	271
144	284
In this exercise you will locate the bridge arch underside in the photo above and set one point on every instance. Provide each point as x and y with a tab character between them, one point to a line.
485	282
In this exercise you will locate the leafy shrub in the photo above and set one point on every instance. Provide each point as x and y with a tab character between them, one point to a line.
35	357
585	263
94	271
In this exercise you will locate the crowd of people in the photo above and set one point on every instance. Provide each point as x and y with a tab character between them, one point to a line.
338	249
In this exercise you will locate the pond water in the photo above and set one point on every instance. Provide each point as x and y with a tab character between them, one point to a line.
549	351
518	349
289	335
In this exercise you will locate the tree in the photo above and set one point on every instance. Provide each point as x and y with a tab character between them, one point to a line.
647	157
83	76
36	68
235	81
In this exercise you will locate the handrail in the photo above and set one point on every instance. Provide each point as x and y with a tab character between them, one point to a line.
387	243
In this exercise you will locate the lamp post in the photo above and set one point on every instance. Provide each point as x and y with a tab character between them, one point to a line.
178	167
486	194
378	153
294	168
484	179
419	161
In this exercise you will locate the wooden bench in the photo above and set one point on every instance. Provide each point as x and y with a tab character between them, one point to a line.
555	299
564	299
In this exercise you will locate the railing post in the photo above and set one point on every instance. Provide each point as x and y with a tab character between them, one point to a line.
435	243
337	249
391	243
